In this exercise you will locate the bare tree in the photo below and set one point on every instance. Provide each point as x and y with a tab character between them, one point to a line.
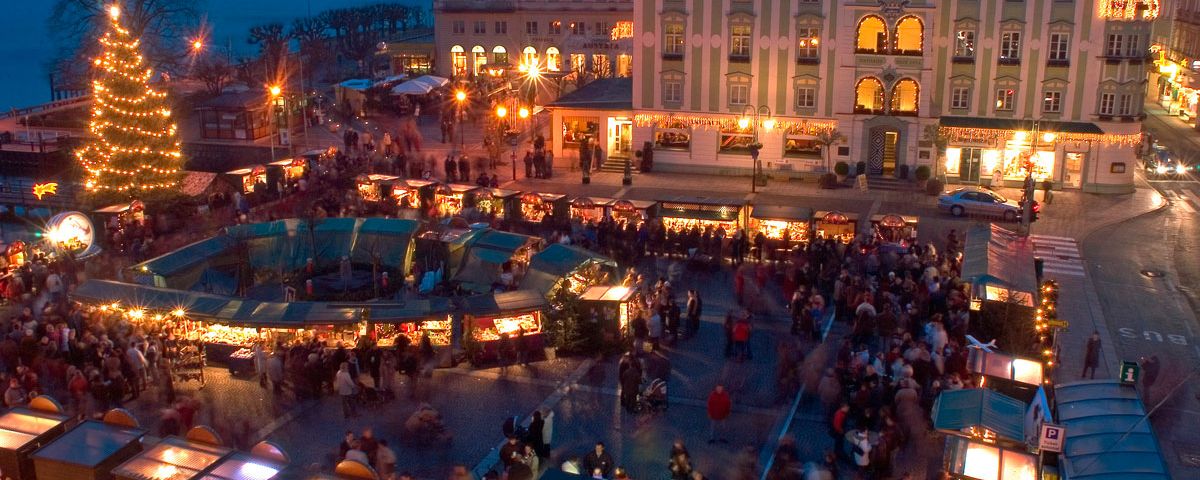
272	44
310	33
215	72
162	25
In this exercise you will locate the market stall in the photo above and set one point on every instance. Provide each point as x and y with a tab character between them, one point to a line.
783	226
637	211
115	219
985	435
413	194
544	208
291	170
613	306
590	209
243	466
451	199
17	253
91	449
567	267
173	458
373	187
495	259
895	229
25	429
251	180
408	321
516	315
835	225
684	213
999	267
1108	434
497	202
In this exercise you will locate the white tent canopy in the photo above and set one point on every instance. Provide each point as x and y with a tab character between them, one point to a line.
432	80
411	87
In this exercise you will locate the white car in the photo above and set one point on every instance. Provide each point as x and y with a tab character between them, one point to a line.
979	201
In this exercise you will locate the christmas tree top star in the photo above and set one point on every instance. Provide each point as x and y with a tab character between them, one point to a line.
135	148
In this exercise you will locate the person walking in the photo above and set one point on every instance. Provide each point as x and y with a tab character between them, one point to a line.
861	445
694	310
1091	356
346	389
741	339
719	407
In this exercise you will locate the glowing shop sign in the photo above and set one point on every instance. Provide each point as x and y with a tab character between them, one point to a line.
622	30
72	232
42	189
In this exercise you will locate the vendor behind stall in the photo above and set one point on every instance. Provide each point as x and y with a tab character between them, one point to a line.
835	225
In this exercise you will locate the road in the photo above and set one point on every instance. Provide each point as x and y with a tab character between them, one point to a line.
1147	275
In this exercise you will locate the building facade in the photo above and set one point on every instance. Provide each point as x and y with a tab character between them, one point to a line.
1175	82
559	36
1048	87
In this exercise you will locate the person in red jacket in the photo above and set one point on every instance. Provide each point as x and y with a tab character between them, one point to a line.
719	406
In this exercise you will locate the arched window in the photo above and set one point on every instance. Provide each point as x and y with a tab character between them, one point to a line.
529	57
478	60
553	59
868	96
499	55
458	61
872	35
910	36
906	97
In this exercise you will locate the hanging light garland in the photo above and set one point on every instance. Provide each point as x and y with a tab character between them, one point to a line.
1046	320
135	145
998	135
730	122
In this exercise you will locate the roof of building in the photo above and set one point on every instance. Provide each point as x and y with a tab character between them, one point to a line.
601	94
955	410
236	100
1022	124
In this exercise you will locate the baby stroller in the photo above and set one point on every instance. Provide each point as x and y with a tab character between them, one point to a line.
653	398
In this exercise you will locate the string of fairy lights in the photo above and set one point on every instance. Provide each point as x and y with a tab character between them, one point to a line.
1046	320
135	146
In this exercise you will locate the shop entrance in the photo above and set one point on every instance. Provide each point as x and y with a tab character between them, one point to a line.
882	156
968	165
620	137
1073	170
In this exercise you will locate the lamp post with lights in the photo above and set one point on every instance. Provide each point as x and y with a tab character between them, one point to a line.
755	113
275	92
460	98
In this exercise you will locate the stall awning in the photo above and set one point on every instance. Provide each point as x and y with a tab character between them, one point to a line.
549	266
129	295
955	410
786	213
253	313
995	256
497	303
498	240
1108	436
605	293
408	311
185	258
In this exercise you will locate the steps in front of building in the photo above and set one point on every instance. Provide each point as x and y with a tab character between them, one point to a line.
888	182
617	165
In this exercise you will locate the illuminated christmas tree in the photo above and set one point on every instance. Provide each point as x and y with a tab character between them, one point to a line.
135	149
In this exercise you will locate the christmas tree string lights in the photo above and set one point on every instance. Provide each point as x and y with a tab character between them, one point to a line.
135	145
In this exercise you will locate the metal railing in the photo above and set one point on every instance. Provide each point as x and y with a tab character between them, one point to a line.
45	107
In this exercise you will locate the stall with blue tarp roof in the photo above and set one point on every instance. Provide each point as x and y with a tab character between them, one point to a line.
487	318
573	267
985	435
488	257
388	240
89	451
957	410
183	267
1108	435
410	318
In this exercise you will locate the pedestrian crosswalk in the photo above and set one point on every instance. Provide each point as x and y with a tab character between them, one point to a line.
1060	255
1184	198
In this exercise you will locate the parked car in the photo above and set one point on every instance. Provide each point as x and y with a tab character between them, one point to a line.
979	201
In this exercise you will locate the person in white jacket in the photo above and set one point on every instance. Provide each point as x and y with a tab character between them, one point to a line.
346	388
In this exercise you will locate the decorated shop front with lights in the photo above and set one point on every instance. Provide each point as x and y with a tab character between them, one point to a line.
1073	155
720	144
680	214
516	316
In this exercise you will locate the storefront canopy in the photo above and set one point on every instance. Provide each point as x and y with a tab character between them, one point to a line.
1108	434
700	208
786	213
955	410
200	305
185	258
499	303
993	256
1021	124
549	266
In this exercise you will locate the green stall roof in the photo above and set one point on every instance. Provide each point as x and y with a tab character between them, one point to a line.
1107	434
498	240
955	410
154	298
549	266
186	257
408	311
498	303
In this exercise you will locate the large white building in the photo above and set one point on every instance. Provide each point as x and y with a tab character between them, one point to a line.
1054	86
556	35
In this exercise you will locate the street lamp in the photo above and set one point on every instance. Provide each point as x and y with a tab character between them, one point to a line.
752	120
197	45
275	91
461	96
